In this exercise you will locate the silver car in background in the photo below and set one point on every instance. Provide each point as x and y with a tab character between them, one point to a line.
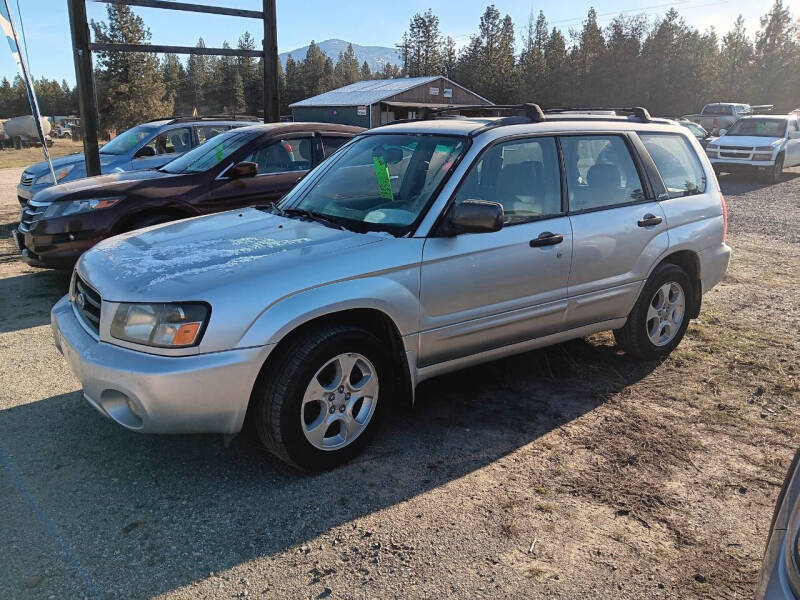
417	249
780	572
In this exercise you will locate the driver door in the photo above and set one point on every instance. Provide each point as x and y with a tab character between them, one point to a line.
793	144
166	146
281	163
481	291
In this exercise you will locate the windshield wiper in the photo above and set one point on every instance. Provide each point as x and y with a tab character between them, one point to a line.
310	214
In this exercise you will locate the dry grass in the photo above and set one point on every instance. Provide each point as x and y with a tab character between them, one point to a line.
28	156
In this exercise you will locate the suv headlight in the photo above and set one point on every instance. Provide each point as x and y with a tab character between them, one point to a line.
764	149
74	207
712	147
61	173
161	325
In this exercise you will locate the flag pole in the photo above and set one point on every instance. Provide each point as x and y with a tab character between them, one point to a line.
7	24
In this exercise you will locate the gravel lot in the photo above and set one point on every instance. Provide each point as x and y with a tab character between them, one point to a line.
562	473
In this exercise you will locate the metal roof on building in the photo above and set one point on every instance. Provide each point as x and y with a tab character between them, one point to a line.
363	93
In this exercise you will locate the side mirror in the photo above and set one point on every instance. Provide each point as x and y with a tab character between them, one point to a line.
243	169
144	151
722	132
474	216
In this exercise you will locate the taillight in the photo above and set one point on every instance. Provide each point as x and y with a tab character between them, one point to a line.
724	218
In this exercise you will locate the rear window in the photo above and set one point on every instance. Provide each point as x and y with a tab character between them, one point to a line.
718	109
677	163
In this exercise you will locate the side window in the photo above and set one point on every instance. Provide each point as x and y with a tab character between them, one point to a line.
793	126
522	175
206	132
331	143
677	163
600	172
282	156
173	141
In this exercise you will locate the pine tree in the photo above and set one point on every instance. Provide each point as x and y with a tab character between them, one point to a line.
735	62
198	78
776	57
449	57
131	83
365	72
346	69
173	75
252	77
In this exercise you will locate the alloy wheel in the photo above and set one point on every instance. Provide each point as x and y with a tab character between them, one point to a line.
339	401
665	313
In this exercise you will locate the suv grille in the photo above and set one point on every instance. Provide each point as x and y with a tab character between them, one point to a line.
87	302
27	178
30	216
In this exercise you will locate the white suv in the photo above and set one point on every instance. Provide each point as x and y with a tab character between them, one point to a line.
418	248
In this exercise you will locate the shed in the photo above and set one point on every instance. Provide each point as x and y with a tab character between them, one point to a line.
377	101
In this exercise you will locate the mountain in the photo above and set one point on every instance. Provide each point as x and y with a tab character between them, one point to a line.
376	56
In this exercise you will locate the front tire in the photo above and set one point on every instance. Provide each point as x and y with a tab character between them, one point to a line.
322	399
775	174
658	321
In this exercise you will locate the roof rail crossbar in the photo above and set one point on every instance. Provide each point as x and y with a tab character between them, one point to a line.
638	112
532	111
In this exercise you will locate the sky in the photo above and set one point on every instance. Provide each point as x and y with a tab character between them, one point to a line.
46	22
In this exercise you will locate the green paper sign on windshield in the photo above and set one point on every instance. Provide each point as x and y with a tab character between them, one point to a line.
219	152
382	175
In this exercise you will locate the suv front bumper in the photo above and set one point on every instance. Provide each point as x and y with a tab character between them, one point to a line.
202	393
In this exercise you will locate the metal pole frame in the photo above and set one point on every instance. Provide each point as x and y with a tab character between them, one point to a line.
83	47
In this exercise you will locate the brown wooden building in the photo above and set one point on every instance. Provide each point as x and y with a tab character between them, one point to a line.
377	101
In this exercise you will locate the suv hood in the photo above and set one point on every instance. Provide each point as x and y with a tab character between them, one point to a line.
745	140
196	258
42	168
91	187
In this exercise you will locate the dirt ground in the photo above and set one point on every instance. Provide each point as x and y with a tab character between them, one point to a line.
569	472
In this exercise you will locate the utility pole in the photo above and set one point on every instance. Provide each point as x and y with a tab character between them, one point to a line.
271	83
84	76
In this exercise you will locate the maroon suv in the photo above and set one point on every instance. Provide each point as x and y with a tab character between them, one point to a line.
244	166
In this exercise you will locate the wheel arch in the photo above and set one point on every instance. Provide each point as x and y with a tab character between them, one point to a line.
374	320
125	221
689	261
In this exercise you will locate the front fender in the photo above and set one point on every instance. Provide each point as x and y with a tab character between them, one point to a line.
395	294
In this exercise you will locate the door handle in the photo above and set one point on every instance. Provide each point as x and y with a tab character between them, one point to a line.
546	238
649	220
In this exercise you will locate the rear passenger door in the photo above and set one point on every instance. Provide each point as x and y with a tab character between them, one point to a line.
618	228
481	291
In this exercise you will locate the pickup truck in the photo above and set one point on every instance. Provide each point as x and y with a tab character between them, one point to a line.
758	144
721	115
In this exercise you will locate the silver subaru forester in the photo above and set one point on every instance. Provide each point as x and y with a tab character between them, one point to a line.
418	248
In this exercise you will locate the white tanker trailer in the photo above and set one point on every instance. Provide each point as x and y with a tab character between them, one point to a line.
22	131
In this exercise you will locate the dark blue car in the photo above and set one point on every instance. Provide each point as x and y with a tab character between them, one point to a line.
146	146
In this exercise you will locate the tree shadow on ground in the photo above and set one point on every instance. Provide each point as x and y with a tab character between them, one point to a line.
169	510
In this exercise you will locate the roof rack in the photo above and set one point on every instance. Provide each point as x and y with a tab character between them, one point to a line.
638	112
532	111
234	117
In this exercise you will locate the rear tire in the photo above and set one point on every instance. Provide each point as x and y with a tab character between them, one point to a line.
322	399
658	321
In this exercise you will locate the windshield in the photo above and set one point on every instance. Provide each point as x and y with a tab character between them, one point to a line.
127	141
759	127
210	154
380	182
